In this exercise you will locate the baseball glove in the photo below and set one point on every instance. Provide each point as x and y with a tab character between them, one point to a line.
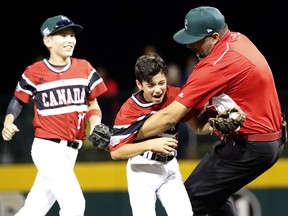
100	136
228	121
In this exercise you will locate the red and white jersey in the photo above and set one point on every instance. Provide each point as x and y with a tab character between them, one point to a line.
133	114
237	73
60	97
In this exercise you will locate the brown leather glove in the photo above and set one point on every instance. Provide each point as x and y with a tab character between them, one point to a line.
228	121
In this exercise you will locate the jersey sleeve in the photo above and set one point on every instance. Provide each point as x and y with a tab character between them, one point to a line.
127	124
25	87
96	85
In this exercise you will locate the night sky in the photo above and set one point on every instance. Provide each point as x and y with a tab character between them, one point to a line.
115	33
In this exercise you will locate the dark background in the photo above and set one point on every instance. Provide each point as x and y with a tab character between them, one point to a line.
115	33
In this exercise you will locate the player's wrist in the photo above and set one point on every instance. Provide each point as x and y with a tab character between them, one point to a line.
92	112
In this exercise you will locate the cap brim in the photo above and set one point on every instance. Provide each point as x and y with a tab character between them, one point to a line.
77	28
183	38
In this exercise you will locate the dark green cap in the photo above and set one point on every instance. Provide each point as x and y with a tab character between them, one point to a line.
57	23
200	22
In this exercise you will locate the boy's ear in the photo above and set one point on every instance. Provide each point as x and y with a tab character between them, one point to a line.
139	85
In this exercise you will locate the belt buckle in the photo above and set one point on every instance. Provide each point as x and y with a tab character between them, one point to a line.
73	144
161	158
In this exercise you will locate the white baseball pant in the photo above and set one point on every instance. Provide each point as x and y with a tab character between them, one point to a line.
55	181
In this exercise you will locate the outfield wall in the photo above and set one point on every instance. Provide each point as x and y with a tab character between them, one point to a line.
104	184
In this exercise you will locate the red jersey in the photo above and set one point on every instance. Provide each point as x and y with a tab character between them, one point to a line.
60	97
133	114
236	71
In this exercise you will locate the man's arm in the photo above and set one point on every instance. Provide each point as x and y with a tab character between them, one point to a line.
163	120
199	127
169	116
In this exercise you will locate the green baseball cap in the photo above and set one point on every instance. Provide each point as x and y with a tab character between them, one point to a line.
200	22
57	23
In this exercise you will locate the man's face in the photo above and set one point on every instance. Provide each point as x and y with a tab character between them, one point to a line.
204	47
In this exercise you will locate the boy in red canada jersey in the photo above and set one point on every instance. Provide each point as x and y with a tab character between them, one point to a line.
64	91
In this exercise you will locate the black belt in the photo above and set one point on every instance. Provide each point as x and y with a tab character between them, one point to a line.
160	157
258	137
72	144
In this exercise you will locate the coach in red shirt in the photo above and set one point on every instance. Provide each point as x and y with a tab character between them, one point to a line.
231	72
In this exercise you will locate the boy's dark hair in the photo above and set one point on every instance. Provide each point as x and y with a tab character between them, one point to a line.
147	66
